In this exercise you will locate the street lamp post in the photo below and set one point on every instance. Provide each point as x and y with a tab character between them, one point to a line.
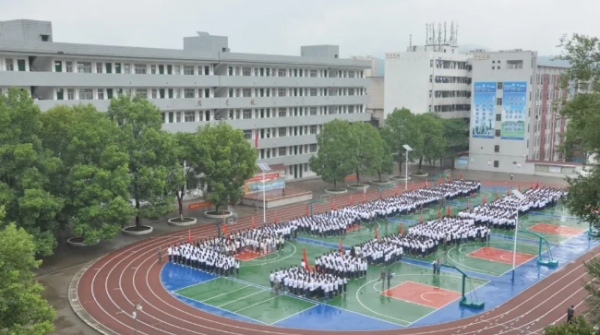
264	168
408	149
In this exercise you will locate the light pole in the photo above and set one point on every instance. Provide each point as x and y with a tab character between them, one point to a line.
408	149
264	168
521	197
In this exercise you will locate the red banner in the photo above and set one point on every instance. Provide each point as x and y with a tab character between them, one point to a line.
260	177
199	205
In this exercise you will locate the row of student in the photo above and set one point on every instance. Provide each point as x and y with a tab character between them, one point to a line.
205	259
299	281
450	230
344	266
263	240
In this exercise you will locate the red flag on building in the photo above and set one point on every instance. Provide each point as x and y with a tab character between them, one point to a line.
253	222
376	234
421	218
189	236
400	231
439	214
341	247
256	139
448	211
304	258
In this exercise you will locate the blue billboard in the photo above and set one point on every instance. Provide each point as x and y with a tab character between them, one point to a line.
484	110
514	101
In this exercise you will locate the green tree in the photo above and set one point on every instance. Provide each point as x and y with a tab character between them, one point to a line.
456	133
434	143
337	155
578	327
27	172
402	127
226	161
94	176
386	164
182	176
23	311
369	149
150	155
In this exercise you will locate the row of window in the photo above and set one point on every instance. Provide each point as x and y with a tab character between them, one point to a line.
284	92
248	71
287	151
259	113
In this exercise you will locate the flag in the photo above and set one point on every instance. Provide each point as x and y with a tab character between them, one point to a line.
421	218
439	180
351	200
304	258
412	186
449	179
483	200
448	211
364	200
253	222
426	184
333	206
519	187
460	175
439	214
307	211
341	247
508	191
380	194
223	229
256	139
396	190
537	184
496	195
190	236
400	232
376	234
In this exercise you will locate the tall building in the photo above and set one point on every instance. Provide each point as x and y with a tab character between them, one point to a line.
284	100
515	122
430	78
375	90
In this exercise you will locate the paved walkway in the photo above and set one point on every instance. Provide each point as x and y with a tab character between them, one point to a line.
57	271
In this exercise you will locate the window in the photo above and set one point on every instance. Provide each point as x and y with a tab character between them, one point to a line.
281	132
313	73
498	117
126	68
230	71
351	74
313	130
188	70
313	148
496	148
246	71
86	94
142	93
496	164
497	132
247	114
177	117
70	94
98	67
282	112
177	70
313	92
100	94
499	86
140	68
190	116
153	69
281	73
282	151
247	93
350	91
84	67
248	134
281	92
154	93
10	65
499	101
206	70
313	111
350	109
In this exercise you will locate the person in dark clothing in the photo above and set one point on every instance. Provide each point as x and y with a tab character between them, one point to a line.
382	278
570	313
389	277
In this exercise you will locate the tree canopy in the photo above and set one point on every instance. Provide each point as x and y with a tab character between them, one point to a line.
22	308
402	127
369	149
578	326
225	159
434	143
337	155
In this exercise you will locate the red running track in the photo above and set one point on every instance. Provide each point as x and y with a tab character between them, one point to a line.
110	288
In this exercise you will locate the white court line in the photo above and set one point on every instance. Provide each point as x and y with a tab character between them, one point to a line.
244	297
258	303
287	317
183	288
219	308
222	294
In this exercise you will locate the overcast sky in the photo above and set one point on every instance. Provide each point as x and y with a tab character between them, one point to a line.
359	27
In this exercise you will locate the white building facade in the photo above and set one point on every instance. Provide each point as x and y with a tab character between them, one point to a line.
431	78
284	100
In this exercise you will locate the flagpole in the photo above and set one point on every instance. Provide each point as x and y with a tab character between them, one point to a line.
264	199
515	242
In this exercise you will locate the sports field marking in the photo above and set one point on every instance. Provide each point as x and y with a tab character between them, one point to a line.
217	307
302	311
422	294
556	229
248	255
258	303
249	264
500	255
222	294
243	297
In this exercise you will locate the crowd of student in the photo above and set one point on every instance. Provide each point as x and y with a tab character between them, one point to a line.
203	258
347	265
311	284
